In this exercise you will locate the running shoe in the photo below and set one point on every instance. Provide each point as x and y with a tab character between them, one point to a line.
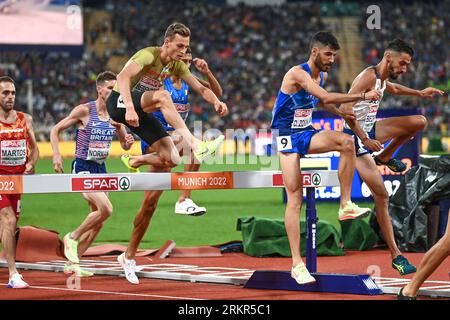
71	249
188	207
352	211
402	265
77	270
16	282
393	164
129	266
208	148
126	161
301	274
400	296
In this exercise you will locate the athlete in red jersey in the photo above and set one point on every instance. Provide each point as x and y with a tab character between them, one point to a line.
18	155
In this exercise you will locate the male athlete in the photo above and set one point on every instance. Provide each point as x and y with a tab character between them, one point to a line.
139	92
95	132
19	153
301	91
369	133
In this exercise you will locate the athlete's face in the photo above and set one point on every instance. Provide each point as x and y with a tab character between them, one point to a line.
324	57
187	59
104	89
7	95
398	63
177	46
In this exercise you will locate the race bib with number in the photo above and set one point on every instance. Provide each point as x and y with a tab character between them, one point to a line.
302	118
98	150
147	83
371	118
284	143
13	152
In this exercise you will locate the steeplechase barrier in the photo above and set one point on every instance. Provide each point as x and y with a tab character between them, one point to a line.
270	279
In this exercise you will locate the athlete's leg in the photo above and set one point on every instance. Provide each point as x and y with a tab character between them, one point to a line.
143	217
400	130
103	212
430	262
161	100
86	239
290	168
371	176
163	154
328	140
8	222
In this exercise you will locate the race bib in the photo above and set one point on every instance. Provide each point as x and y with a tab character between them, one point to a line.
371	118
147	83
302	118
284	143
98	150
13	152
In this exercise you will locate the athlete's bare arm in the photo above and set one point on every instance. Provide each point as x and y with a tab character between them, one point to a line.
212	82
126	139
130	70
34	150
78	116
297	78
364	82
398	89
207	94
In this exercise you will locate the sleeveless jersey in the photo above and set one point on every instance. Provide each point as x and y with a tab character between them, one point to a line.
180	100
94	141
293	112
14	142
366	111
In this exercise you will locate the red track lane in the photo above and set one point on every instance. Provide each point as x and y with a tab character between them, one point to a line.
58	286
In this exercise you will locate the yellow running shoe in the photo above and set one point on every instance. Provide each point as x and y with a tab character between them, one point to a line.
71	249
208	148
77	270
301	274
352	211
126	161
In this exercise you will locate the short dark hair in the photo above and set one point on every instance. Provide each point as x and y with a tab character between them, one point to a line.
325	38
105	76
7	79
399	45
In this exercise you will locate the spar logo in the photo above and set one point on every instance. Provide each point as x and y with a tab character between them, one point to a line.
309	180
101	184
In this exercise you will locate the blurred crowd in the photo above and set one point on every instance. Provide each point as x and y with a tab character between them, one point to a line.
249	49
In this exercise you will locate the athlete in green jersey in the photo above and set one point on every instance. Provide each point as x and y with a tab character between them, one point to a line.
139	91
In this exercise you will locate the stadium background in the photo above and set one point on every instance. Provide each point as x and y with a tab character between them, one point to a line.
249	47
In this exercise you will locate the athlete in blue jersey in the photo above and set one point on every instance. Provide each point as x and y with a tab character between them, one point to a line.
301	91
179	93
95	131
368	133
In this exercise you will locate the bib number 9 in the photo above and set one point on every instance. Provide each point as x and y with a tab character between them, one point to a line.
284	143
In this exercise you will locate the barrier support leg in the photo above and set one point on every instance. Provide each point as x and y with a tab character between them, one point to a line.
325	282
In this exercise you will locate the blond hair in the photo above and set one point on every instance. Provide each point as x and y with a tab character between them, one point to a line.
177	28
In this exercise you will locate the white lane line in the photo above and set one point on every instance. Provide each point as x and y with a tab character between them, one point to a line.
113	293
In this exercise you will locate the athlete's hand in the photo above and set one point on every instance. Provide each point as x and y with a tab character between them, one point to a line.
131	117
29	168
201	65
430	92
58	163
129	140
373	95
373	145
348	114
221	108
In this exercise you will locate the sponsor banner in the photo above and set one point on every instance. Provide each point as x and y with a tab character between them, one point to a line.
201	180
11	184
101	184
309	179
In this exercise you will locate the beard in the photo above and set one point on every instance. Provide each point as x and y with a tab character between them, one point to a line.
392	74
321	66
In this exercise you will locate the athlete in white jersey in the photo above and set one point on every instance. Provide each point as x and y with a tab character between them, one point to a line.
94	135
369	134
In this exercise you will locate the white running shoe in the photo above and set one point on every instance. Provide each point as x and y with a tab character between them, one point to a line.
16	282
188	207
129	266
301	274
